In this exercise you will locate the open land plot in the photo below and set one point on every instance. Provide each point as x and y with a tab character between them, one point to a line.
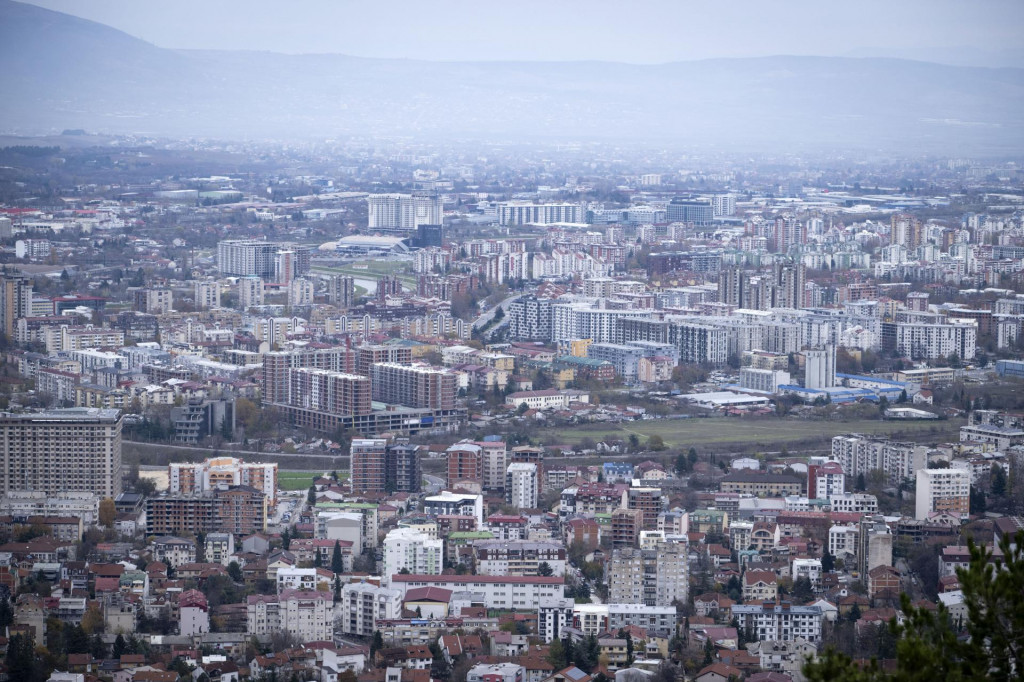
753	435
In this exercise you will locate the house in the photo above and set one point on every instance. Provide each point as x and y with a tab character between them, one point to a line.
570	674
884	583
718	672
760	586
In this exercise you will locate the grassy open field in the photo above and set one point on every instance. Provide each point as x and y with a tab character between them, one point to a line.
755	435
301	480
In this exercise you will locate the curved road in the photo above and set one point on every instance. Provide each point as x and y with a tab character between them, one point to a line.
485	318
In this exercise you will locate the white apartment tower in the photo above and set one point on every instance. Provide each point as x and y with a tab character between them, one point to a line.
412	550
943	490
521	485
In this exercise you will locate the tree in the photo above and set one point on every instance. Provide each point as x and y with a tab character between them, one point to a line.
311	496
376	644
92	620
655	443
286	539
802	589
235	572
108	513
556	655
22	662
6	614
544	569
692	456
336	563
927	645
119	647
828	562
861	483
854	614
634	442
682	464
998	480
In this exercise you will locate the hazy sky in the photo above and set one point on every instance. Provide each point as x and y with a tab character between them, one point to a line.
617	30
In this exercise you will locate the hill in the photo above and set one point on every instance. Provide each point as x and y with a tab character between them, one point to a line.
64	72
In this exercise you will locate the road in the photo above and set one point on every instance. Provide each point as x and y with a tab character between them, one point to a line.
230	453
485	318
434	484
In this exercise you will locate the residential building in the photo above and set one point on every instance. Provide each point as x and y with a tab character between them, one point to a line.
943	490
521	490
363	604
779	621
57	451
654	577
410	550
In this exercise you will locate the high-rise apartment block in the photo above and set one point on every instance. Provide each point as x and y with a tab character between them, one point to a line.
341	290
943	490
239	510
247	257
77	449
404	211
465	463
522	213
654	577
379	466
414	386
521	488
207	294
15	301
250	292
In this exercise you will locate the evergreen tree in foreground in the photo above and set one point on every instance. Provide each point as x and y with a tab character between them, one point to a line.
929	646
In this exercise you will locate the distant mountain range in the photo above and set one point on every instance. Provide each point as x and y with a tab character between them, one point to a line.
59	71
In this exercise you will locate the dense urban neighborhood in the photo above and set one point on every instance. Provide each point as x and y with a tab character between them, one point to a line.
420	415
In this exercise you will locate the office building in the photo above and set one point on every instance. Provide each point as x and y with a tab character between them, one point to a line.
57	451
943	490
696	211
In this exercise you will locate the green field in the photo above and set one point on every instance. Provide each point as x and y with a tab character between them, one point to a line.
754	435
301	480
374	269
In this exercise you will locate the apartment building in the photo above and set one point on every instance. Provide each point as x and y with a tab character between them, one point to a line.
241	510
520	593
654	577
771	621
521	489
518	557
943	490
186	478
414	386
465	463
413	551
307	615
76	449
364	604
